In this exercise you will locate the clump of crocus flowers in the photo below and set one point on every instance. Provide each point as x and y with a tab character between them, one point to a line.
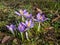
25	25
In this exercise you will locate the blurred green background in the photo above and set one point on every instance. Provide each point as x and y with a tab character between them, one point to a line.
50	7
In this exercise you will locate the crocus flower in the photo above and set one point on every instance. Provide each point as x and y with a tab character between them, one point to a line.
23	13
29	23
40	17
11	28
22	27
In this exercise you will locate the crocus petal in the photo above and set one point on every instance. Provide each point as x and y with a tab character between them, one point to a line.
26	21
24	11
39	16
17	13
27	15
29	23
30	16
43	18
21	11
13	27
10	28
21	27
23	23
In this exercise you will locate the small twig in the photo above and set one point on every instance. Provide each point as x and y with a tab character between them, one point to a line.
56	18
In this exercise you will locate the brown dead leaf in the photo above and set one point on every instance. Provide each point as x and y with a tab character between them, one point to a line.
49	28
39	10
56	18
5	39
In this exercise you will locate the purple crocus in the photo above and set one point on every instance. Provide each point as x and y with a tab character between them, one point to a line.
29	23
11	28
40	17
22	27
23	13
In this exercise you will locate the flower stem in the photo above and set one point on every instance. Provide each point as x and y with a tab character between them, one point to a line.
22	18
27	36
22	36
38	27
